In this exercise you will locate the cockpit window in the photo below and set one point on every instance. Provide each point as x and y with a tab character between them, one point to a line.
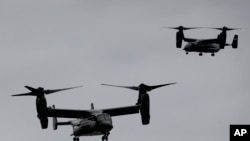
103	116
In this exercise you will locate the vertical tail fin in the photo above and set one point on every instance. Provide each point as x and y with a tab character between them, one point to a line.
54	120
56	123
92	106
235	41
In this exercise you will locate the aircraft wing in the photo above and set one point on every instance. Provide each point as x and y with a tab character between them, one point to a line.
209	41
190	40
122	110
68	113
205	41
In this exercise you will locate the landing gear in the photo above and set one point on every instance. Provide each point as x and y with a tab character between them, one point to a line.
200	54
105	136
212	54
76	139
187	53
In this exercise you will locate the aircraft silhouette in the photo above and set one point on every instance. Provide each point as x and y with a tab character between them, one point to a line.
204	45
93	121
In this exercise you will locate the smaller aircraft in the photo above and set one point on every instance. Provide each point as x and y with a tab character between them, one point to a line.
204	45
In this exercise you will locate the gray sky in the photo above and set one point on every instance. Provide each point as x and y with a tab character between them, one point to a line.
60	43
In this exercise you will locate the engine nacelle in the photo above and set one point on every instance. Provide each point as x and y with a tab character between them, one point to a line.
145	109
44	122
222	45
179	38
235	41
221	40
145	118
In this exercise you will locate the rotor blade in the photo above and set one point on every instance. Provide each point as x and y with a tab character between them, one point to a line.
149	88
171	27
233	28
24	94
223	28
187	28
57	90
217	28
30	88
133	87
32	93
182	28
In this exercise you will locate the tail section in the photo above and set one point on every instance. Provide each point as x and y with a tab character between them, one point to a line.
92	106
54	119
56	123
235	41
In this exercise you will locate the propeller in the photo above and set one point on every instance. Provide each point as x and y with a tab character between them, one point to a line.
143	98
182	28
224	28
141	87
41	103
41	91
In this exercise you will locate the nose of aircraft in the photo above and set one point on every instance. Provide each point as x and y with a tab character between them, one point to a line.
106	124
187	47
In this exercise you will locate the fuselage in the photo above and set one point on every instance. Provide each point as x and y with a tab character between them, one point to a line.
99	125
202	47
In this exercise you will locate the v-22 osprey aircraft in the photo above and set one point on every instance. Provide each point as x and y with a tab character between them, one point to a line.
94	121
204	45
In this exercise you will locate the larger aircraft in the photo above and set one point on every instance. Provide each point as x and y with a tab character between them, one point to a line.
93	121
204	45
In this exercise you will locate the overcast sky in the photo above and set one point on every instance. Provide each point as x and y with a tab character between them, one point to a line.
64	43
